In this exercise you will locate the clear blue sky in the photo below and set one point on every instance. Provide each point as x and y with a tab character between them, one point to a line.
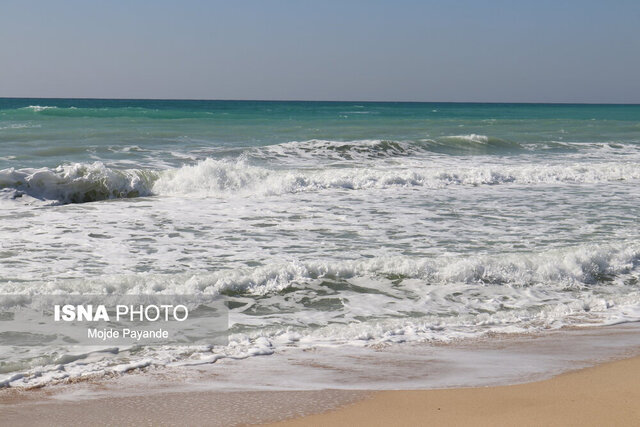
529	51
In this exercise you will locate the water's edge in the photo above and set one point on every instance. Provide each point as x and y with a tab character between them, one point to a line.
324	379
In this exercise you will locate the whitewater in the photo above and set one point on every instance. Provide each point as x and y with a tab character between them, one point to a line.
321	224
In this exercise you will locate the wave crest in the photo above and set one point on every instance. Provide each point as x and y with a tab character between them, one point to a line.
380	148
78	183
571	267
472	144
38	108
338	150
557	270
220	177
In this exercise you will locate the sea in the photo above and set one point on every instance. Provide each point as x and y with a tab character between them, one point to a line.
321	224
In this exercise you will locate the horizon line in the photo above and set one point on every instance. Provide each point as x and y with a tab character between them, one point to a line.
322	100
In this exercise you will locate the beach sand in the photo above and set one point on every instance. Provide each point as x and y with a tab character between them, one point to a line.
608	394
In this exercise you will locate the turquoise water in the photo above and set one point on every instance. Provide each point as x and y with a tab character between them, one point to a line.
36	133
323	223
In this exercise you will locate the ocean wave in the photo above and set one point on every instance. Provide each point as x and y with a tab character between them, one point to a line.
38	108
88	182
579	267
435	298
571	267
104	112
481	139
337	150
379	148
472	144
77	183
403	299
13	126
220	177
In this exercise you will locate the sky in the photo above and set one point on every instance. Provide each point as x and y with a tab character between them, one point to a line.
374	50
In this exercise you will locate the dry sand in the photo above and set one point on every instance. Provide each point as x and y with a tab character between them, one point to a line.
605	395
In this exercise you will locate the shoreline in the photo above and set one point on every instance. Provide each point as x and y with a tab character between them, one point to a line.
606	394
364	383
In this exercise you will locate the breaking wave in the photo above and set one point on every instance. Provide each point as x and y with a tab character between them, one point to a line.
472	144
80	182
577	268
220	178
338	150
39	108
437	299
561	269
380	148
77	183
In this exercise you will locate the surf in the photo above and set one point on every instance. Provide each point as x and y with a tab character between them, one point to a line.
91	182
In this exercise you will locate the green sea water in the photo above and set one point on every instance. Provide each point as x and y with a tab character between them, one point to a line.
49	132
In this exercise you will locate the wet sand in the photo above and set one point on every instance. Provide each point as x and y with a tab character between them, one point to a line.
607	394
172	409
359	387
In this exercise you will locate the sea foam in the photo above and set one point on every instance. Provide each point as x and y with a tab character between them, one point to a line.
87	182
219	177
78	182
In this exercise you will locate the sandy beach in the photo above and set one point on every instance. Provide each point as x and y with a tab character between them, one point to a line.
604	395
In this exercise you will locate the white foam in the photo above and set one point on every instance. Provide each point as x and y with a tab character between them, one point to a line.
320	149
81	182
222	177
78	182
399	248
483	139
20	126
38	108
